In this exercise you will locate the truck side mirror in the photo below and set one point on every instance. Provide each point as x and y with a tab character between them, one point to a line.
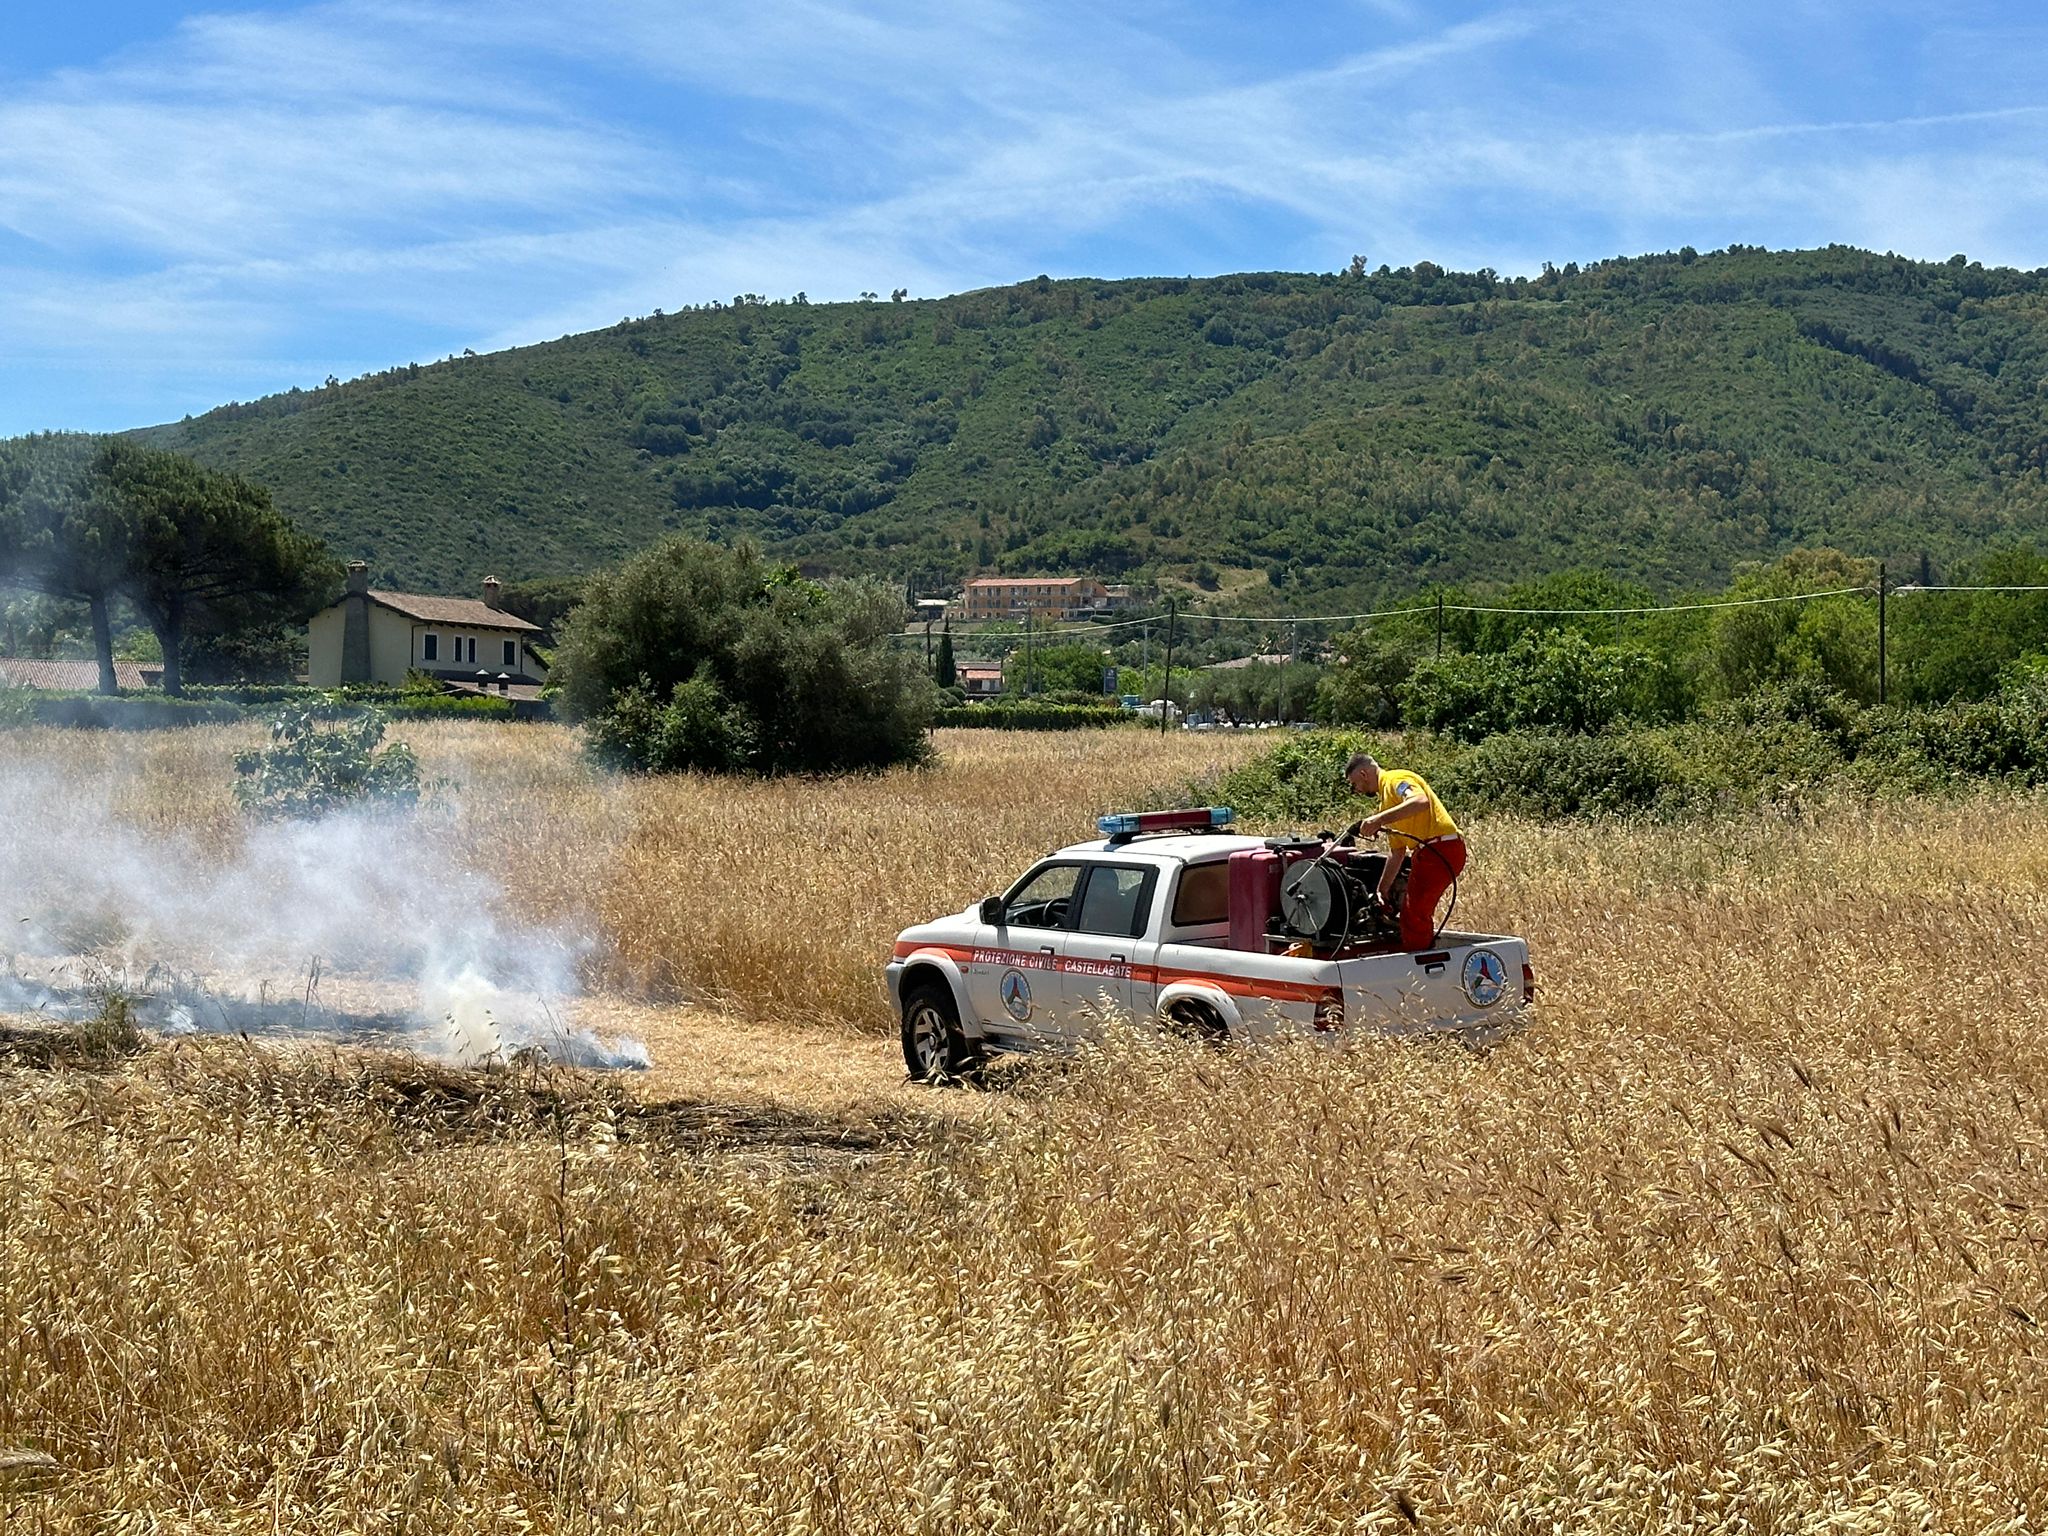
992	910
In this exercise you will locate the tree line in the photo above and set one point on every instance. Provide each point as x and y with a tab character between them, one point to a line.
202	558
1500	658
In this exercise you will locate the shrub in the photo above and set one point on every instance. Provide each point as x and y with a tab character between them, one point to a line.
669	656
1543	682
308	771
697	727
2003	737
1550	776
1364	687
1799	701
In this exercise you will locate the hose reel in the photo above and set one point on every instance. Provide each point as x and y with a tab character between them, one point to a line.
1329	902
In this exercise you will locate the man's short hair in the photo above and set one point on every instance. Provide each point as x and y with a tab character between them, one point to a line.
1358	761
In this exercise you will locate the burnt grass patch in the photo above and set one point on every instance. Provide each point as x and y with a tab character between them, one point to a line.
358	1095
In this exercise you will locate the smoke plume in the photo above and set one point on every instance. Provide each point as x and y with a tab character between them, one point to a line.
372	927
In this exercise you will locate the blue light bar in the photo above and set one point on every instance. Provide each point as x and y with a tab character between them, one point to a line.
1205	818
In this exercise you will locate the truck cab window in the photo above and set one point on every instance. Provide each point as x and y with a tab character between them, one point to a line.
1115	901
1203	895
1043	899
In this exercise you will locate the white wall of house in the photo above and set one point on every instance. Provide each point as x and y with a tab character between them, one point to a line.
482	650
390	645
323	648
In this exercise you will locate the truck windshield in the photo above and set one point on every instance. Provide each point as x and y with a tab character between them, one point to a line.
1043	899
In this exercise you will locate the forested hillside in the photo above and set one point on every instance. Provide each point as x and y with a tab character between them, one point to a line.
1663	417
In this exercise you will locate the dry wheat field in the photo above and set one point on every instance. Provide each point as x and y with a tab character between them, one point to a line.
1747	1232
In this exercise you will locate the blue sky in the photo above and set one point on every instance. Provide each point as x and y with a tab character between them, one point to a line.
204	204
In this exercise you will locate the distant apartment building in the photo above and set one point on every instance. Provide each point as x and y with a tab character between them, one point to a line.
1059	598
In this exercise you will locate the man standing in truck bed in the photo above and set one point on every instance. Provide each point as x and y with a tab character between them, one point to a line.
1420	835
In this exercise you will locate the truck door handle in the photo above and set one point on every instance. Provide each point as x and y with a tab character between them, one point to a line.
1045	949
1120	959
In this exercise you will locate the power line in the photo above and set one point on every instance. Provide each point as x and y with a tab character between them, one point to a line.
1931	586
1724	602
1085	629
1538	613
1327	618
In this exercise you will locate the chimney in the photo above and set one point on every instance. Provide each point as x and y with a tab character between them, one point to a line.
355	625
491	588
504	682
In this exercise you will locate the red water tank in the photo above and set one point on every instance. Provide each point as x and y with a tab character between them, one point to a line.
1254	896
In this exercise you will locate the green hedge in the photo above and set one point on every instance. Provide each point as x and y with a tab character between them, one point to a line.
1780	745
110	712
448	706
22	707
1034	717
268	694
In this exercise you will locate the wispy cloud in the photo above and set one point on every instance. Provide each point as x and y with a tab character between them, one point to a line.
366	181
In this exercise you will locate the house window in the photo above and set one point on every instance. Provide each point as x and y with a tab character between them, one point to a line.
511	653
430	648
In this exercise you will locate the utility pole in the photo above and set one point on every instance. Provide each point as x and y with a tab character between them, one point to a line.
1439	626
1880	633
1027	653
1166	682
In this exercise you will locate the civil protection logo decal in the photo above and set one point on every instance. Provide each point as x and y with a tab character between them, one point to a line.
1485	978
1016	996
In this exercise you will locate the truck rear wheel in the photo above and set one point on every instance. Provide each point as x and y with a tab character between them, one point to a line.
934	1049
1197	1022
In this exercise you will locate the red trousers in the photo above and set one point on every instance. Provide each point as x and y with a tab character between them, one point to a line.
1431	868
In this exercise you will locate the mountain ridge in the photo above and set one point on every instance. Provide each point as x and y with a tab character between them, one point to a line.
1661	417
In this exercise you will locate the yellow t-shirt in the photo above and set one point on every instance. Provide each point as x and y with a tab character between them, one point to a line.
1399	784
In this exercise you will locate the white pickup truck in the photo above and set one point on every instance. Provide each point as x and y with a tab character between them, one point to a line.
1169	918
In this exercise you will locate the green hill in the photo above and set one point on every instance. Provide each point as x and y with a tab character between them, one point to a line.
1662	417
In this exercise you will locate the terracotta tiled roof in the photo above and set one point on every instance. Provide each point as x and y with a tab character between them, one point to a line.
1028	581
74	676
468	611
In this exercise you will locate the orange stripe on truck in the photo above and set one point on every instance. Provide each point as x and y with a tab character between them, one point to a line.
1036	960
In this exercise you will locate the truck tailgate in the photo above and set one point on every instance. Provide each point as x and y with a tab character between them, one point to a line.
1469	983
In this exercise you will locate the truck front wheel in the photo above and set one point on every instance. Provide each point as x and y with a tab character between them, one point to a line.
934	1049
